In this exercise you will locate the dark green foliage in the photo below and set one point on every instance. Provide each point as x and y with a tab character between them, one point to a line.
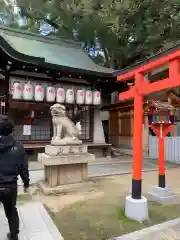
129	31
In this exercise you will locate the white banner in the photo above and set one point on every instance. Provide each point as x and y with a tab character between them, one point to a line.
27	130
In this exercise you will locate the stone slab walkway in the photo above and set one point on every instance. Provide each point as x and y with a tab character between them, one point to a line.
101	167
165	231
35	223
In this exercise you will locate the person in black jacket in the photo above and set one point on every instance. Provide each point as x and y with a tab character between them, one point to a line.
13	162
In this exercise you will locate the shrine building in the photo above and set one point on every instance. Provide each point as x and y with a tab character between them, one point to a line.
38	71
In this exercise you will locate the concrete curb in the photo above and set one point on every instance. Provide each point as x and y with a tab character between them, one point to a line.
138	235
50	224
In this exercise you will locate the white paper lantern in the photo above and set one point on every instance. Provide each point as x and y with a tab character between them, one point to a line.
28	92
96	97
39	93
80	96
17	90
88	97
60	95
50	94
70	96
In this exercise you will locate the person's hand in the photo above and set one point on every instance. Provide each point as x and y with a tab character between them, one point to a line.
26	189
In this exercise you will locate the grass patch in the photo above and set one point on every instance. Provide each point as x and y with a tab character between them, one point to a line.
103	218
122	216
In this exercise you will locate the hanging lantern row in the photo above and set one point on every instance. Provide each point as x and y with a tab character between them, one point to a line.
51	94
161	113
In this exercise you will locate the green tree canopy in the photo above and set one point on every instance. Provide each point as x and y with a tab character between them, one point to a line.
129	30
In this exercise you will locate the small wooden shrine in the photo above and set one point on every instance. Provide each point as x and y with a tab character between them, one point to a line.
161	113
161	120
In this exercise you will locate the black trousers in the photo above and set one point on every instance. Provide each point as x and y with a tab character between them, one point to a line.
8	197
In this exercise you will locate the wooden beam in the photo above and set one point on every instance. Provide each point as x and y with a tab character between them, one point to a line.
148	88
128	94
150	66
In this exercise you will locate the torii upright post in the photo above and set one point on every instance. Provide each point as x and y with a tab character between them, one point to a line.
136	205
137	140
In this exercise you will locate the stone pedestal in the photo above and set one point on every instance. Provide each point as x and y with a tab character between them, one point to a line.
163	196
66	164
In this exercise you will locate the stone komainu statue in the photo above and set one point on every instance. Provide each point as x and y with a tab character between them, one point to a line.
65	131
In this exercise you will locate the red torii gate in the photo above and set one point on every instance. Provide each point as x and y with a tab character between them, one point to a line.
137	92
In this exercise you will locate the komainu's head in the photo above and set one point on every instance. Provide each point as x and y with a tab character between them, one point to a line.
58	110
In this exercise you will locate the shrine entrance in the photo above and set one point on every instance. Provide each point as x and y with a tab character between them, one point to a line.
141	88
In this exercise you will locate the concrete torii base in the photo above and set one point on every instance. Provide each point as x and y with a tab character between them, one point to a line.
163	196
136	209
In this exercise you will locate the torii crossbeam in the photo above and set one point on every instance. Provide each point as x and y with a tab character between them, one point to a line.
137	92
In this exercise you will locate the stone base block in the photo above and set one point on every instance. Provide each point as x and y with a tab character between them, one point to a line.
136	209
53	150
68	141
67	169
163	196
46	159
65	174
64	189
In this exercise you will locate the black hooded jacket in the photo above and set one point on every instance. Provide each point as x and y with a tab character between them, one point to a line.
13	162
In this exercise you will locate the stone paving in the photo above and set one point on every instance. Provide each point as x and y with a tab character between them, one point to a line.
101	167
116	167
35	223
120	165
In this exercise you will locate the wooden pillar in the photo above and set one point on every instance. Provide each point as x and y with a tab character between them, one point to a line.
51	124
137	140
145	144
131	127
91	124
6	92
